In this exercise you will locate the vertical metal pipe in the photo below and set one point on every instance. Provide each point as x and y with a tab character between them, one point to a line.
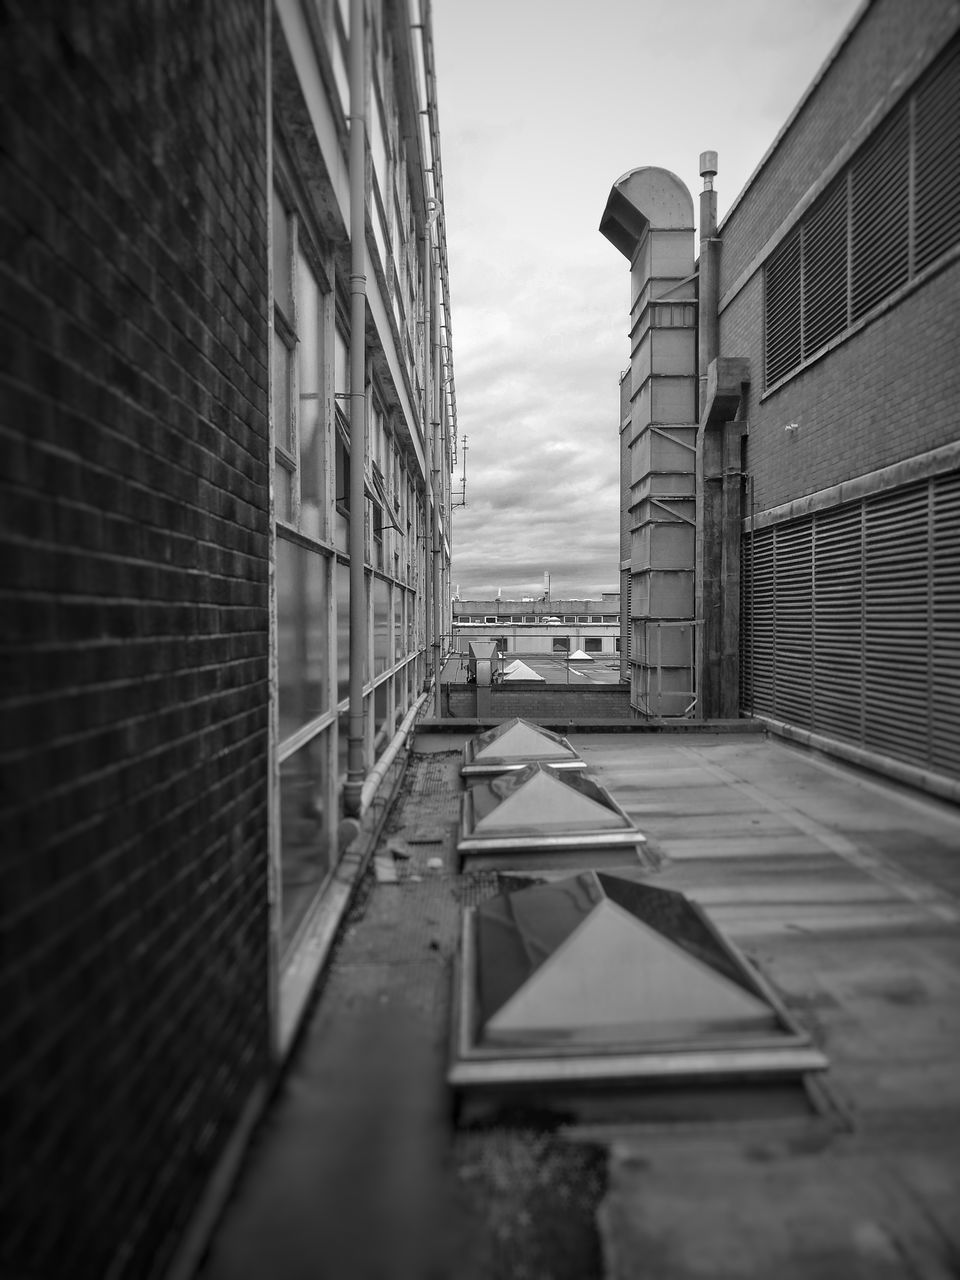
708	322
438	491
708	461
358	416
427	451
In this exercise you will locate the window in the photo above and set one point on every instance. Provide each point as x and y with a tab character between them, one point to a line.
297	372
593	644
561	644
888	216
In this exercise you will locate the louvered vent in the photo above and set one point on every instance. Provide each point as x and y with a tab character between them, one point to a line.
794	622
891	214
945	625
825	270
880	213
858	609
781	284
746	623
762	604
897	623
937	163
838	623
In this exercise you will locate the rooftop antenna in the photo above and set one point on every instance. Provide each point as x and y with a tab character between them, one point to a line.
461	497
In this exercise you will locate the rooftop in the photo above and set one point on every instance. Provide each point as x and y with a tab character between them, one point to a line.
842	891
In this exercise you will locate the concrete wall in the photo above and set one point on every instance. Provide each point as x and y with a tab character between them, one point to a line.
135	488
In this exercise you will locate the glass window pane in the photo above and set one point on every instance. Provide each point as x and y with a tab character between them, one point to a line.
311	436
280	246
283	507
305	850
341	367
281	393
382	646
381	701
398	628
301	635
343	630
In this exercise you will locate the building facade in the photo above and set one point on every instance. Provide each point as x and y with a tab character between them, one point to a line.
540	626
228	419
827	472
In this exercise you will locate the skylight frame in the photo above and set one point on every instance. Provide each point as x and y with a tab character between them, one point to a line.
787	1054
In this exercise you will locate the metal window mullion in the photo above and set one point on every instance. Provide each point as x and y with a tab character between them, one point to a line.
294	449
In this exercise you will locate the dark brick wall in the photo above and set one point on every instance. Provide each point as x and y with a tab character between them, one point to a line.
535	701
885	394
133	581
890	390
883	48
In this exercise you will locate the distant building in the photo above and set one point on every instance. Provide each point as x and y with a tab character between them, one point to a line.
221	427
816	585
540	626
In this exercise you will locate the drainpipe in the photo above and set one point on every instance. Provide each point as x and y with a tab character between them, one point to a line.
358	425
438	599
709	465
427	451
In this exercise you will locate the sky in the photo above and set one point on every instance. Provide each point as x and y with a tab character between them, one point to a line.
543	105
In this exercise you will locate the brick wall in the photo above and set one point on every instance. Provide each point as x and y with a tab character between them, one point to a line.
886	393
134	601
883	48
535	701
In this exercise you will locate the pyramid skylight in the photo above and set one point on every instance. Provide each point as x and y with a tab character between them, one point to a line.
602	977
540	817
515	744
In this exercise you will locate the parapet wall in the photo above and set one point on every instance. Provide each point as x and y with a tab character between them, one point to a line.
536	701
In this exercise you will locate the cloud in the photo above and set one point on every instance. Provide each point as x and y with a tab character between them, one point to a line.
543	105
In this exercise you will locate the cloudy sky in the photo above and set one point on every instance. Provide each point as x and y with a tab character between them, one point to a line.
543	105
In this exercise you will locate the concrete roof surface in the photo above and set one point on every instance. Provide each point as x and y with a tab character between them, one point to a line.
843	890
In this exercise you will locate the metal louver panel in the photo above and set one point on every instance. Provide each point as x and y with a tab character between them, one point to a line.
763	596
945	626
897	623
746	623
937	162
794	622
882	579
838	623
782	307
825	270
880	215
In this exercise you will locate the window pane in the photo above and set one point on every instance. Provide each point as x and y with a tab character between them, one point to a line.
281	393
305	853
282	292
341	368
398	629
382	646
301	635
343	630
311	436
